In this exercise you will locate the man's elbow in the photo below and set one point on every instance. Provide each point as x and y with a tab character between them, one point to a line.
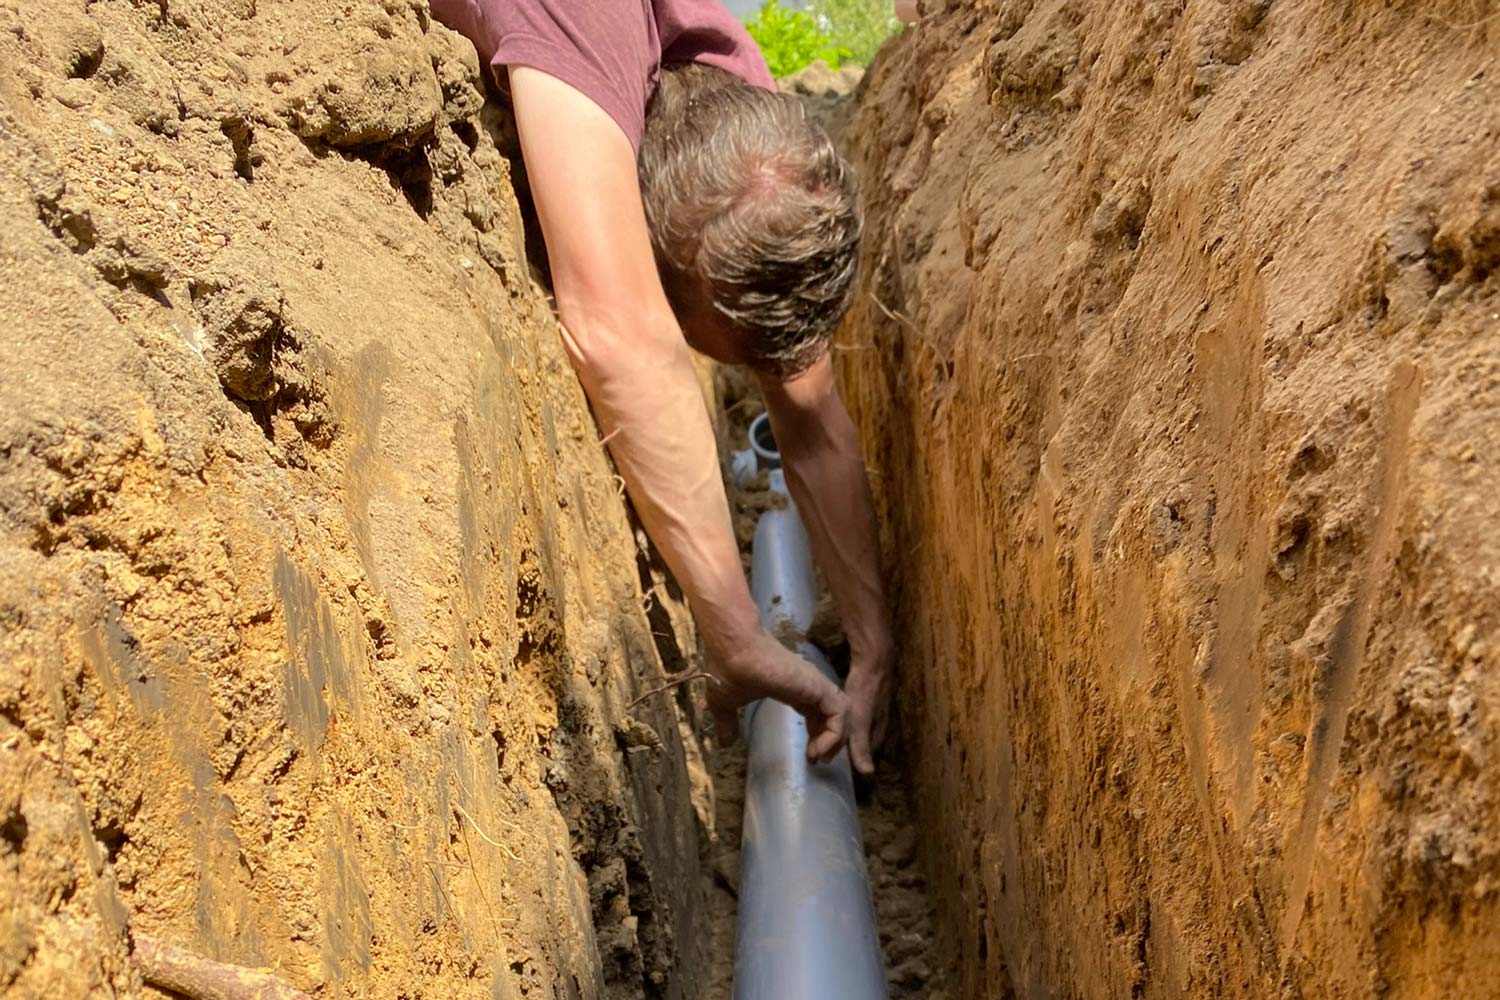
604	340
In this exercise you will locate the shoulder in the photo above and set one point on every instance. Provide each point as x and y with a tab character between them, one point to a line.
705	31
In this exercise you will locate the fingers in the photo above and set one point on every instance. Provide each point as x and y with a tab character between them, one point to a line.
881	724
867	695
724	701
826	732
859	741
818	700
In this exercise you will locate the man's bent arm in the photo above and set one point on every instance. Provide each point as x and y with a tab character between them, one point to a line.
634	364
826	473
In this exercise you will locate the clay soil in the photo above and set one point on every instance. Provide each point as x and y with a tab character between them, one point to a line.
1177	358
322	619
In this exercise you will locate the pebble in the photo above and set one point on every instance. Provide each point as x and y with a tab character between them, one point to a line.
912	973
74	94
891	854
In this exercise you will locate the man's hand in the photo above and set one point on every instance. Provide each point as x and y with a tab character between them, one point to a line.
765	668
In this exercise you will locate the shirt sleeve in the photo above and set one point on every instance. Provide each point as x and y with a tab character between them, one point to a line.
605	50
704	31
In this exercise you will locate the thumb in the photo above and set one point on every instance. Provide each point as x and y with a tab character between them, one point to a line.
859	741
827	724
825	740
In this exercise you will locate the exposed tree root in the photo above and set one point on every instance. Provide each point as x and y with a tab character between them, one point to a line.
197	978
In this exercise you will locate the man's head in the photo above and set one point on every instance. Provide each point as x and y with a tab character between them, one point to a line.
754	218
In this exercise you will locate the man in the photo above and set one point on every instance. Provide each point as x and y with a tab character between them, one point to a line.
737	233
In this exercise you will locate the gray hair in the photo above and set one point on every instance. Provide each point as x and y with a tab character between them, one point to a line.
752	213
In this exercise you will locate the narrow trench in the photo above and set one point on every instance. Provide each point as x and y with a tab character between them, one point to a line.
904	909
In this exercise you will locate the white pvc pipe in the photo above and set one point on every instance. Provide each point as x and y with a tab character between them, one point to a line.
763	443
806	926
781	569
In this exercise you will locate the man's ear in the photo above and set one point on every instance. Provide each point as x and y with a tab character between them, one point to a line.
716	339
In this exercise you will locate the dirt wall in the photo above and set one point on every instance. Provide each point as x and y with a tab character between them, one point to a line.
321	618
1177	359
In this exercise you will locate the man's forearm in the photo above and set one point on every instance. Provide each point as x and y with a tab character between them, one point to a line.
651	410
826	473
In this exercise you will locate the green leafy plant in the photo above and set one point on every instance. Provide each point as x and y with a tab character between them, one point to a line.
791	39
856	26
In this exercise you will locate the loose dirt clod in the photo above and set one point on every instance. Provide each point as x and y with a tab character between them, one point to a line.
919	961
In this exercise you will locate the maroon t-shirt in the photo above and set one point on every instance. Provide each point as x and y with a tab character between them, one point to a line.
610	50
